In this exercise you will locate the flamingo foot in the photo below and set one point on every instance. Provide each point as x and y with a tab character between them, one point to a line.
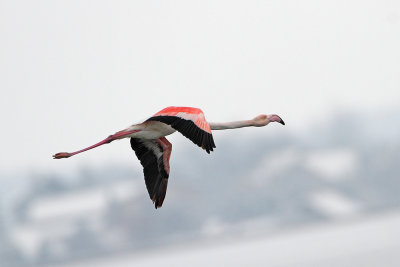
62	155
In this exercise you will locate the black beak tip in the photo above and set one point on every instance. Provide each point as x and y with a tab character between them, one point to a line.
282	122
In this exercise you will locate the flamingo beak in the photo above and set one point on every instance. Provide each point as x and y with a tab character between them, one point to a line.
275	118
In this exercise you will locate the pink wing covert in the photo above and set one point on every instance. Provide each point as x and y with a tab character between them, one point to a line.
194	114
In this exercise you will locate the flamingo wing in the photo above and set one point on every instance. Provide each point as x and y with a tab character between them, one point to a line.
155	161
190	122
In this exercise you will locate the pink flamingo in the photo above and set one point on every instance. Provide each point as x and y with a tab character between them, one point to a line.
154	150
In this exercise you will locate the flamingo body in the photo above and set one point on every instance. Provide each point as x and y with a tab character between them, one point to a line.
154	150
152	130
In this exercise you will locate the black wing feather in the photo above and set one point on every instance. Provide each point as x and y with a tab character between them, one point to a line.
150	154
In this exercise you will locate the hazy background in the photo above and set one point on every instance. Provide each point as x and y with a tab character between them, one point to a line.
73	72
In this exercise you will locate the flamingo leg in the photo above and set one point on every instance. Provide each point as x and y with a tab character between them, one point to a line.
109	139
167	148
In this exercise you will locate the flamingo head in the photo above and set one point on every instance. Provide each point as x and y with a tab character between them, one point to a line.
262	120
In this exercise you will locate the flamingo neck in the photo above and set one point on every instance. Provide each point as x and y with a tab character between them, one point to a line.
230	125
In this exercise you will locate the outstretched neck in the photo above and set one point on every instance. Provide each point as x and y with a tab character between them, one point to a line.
259	121
230	125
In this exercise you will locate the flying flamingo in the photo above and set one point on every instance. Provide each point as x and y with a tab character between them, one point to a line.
153	149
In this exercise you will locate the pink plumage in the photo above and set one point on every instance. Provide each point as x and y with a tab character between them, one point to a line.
194	114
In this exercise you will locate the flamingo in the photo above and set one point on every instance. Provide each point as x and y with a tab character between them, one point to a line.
154	150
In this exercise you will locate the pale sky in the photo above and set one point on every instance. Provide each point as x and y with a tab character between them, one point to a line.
73	72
